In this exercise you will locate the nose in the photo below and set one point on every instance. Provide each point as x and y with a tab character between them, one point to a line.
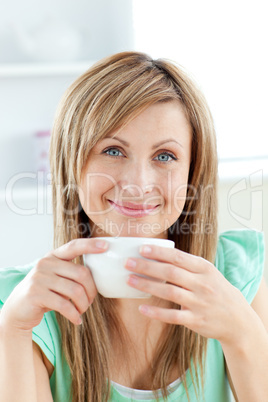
137	181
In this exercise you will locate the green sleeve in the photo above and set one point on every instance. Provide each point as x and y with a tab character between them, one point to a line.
240	258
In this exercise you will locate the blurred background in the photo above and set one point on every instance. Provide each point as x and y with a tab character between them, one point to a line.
45	46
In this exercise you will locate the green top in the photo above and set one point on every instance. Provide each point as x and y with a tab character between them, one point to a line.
240	257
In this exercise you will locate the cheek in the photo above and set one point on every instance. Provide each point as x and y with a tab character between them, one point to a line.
93	187
176	193
176	187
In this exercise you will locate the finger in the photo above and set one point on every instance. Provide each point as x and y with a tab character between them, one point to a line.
164	291
78	247
55	302
191	263
162	271
170	316
72	291
69	270
80	274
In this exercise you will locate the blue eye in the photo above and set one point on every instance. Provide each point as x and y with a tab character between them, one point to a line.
113	152
166	157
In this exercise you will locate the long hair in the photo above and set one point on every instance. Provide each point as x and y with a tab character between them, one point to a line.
107	97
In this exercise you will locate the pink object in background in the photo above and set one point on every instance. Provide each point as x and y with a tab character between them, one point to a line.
41	139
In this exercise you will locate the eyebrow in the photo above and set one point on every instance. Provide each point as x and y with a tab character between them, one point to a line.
153	147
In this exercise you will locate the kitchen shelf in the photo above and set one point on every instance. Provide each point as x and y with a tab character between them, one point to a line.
31	70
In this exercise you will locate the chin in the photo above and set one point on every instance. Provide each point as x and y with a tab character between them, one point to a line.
131	228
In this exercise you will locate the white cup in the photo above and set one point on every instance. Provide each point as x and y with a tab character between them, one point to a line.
108	269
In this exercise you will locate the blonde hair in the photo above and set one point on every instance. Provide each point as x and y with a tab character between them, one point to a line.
107	97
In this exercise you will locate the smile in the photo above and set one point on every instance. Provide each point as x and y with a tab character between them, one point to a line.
131	209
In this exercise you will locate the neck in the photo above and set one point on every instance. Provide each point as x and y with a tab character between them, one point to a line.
131	318
142	334
132	360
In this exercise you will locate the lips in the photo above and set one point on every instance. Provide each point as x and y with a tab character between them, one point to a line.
132	209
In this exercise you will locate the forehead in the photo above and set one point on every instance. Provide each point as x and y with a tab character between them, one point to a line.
159	118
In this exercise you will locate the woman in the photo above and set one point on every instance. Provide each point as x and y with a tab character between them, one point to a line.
133	153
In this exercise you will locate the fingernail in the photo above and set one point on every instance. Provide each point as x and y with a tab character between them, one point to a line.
79	321
101	244
133	280
144	309
131	263
146	249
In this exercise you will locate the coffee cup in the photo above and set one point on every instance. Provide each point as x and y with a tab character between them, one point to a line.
108	269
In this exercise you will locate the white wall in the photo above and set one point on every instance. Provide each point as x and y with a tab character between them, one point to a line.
222	45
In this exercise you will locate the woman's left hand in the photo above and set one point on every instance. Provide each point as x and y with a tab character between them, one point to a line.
210	305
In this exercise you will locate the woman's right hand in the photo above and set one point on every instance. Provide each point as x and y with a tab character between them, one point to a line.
55	283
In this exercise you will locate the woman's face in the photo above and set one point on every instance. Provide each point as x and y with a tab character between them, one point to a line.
135	181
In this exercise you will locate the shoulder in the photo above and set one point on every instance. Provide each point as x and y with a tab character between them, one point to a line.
239	240
240	258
